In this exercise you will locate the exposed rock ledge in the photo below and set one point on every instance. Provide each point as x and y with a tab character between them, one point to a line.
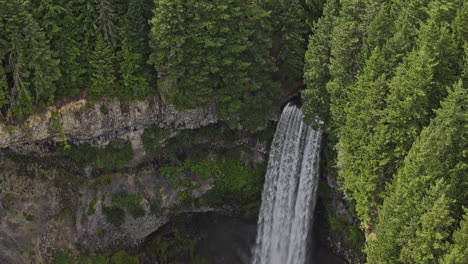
45	209
98	123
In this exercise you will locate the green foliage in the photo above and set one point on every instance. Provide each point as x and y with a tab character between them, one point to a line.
28	217
103	80
114	215
64	213
3	88
172	247
317	67
203	57
152	138
99	260
234	183
170	172
29	63
203	169
350	234
458	251
288	22
134	80
120	257
106	22
375	72
123	257
113	156
91	210
345	43
64	257
430	181
131	202
59	24
57	126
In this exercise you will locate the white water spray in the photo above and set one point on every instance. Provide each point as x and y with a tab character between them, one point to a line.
288	198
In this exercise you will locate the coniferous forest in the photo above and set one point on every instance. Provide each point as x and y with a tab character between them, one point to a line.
386	80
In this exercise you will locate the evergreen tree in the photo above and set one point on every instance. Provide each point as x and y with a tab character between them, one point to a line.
58	22
138	29
435	166
317	67
359	156
30	63
288	21
430	241
134	85
107	22
103	80
3	89
460	28
386	116
314	10
458	252
86	16
219	50
136	35
345	50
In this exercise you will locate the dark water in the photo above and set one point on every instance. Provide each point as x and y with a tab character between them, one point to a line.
229	240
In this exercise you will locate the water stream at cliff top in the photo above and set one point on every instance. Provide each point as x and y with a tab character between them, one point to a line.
289	193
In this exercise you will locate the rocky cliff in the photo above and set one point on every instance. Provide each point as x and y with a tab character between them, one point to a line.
52	199
48	202
99	123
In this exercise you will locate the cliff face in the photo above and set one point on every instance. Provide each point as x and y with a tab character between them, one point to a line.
99	123
45	209
47	205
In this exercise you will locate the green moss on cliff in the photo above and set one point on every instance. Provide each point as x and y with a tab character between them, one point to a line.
152	138
131	202
113	156
340	230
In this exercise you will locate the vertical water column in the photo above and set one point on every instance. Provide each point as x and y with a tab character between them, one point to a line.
288	198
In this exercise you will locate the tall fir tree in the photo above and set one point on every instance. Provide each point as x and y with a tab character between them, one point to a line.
138	29
59	22
458	251
435	166
358	155
390	105
134	83
430	240
103	80
107	23
317	67
30	63
344	64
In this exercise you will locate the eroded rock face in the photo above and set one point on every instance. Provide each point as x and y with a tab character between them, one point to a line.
99	123
46	209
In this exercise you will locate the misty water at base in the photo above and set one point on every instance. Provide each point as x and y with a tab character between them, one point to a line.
228	240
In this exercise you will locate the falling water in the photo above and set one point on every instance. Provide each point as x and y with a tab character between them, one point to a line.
288	198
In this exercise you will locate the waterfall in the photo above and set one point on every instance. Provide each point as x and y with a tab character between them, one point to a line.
288	198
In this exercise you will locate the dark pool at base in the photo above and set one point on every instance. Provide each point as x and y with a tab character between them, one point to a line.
229	240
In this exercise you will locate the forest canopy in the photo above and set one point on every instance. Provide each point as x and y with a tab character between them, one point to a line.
191	53
388	78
